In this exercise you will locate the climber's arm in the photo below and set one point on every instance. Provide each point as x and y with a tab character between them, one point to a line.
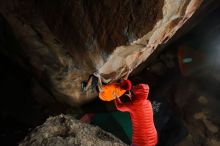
123	107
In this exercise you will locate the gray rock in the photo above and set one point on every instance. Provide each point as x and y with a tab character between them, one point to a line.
64	130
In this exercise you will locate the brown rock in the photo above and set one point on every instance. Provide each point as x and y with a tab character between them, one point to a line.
64	42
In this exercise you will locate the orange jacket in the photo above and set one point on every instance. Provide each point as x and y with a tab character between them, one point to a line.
111	91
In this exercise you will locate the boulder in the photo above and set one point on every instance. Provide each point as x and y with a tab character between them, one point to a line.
66	131
64	42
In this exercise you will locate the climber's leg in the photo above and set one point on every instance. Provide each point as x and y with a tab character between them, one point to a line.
93	82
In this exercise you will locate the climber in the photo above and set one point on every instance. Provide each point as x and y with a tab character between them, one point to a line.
143	130
109	91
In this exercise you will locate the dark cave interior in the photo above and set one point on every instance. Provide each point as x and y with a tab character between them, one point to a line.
174	84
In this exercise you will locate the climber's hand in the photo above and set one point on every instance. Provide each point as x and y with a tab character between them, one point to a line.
139	93
129	95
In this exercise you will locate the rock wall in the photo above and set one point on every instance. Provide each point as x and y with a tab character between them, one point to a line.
63	42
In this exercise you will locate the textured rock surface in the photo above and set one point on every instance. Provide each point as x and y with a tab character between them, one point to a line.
63	42
66	131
